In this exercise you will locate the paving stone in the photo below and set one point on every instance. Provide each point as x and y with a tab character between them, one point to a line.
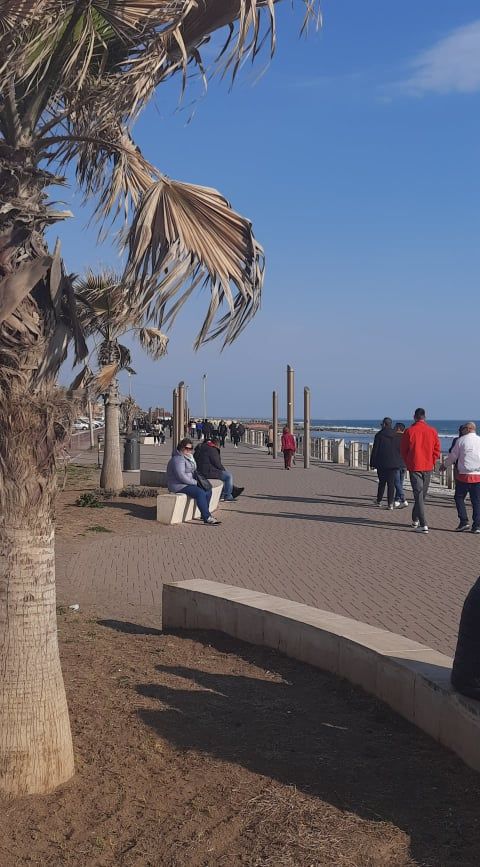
313	536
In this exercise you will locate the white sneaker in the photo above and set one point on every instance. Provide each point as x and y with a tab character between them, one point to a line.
415	524
390	508
421	529
397	504
212	521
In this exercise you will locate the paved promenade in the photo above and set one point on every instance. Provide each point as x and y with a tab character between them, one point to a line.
313	536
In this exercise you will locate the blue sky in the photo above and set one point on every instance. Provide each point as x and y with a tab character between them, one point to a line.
356	156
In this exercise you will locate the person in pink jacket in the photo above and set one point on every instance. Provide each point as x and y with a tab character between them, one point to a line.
289	447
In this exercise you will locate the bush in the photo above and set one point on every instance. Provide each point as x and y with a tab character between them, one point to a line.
89	500
137	491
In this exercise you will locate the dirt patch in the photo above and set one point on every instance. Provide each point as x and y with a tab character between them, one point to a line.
200	751
129	516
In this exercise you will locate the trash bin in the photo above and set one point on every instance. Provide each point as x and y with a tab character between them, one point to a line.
131	453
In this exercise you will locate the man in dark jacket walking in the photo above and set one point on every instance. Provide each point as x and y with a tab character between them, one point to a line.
222	432
207	456
385	459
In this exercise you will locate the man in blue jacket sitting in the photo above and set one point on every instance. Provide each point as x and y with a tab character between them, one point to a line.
207	456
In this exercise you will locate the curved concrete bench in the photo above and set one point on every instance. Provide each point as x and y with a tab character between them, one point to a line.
413	679
176	508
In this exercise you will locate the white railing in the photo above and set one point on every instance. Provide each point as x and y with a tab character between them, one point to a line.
354	454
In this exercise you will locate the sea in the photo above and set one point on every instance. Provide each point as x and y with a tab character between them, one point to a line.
364	429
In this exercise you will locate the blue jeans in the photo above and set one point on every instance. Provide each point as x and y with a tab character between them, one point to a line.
201	497
461	491
399	492
227	480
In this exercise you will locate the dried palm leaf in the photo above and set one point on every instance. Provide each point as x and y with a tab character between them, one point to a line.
16	286
183	234
101	381
153	341
82	379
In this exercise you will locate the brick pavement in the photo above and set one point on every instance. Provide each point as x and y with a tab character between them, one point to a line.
312	536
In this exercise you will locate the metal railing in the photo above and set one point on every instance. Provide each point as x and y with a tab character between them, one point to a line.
354	454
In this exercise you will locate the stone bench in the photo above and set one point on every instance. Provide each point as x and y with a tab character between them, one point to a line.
413	679
153	478
177	508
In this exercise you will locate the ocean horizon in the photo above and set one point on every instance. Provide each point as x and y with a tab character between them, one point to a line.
363	430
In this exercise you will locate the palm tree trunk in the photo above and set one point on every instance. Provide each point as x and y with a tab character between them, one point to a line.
36	752
111	478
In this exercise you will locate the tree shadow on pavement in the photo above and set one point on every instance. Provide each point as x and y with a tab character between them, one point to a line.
338	519
308	729
137	510
330	500
129	628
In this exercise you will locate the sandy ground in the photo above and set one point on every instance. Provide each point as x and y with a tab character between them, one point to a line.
194	750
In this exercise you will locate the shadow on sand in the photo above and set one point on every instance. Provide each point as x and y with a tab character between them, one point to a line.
315	732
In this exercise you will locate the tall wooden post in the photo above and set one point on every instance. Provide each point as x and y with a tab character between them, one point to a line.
181	410
275	422
290	398
175	418
306	428
90	423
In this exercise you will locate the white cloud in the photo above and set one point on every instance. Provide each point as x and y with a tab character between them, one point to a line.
452	65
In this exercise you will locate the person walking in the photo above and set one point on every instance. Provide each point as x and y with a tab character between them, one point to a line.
270	441
385	459
289	447
199	429
420	448
400	501
207	429
181	471
157	432
234	434
222	432
465	453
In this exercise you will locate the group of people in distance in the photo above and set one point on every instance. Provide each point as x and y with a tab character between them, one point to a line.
417	449
206	429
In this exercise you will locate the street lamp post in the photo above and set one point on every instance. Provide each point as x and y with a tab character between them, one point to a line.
204	380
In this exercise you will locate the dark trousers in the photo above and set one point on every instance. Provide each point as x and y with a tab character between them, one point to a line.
461	491
399	492
201	497
386	478
419	483
287	458
222	440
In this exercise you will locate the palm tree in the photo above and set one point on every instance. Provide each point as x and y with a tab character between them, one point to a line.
74	75
107	314
129	408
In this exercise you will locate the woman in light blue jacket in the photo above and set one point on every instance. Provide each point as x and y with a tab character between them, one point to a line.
181	479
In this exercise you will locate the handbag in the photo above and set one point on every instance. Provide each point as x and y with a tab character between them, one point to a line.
202	482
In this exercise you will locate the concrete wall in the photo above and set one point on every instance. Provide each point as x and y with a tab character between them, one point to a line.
413	679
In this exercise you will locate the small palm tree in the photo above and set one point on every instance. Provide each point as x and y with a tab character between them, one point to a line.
129	408
107	315
74	75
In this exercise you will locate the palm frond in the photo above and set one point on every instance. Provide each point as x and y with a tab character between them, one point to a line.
101	381
109	166
153	341
82	379
104	303
184	234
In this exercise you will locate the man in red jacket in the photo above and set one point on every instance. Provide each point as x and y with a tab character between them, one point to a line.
420	448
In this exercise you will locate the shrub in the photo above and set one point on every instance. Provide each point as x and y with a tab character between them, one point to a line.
89	500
